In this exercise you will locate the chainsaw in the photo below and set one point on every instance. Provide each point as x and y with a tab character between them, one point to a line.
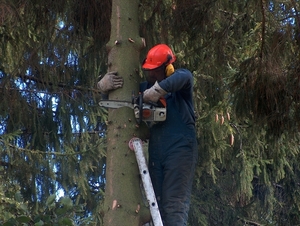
147	112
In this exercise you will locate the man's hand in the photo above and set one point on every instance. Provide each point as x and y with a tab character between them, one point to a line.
154	93
109	82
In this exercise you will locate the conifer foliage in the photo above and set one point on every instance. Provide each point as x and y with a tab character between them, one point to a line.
51	126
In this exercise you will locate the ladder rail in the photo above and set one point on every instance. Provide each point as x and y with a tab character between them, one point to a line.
135	144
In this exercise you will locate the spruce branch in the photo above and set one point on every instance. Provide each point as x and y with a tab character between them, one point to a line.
60	85
61	134
5	164
239	133
248	222
263	27
15	148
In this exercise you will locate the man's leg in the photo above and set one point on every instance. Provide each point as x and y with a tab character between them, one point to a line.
179	171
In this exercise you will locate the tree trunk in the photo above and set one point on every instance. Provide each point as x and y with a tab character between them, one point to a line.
123	199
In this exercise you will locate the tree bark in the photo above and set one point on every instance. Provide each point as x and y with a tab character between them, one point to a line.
123	199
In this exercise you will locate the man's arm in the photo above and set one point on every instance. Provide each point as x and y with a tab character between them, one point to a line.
181	80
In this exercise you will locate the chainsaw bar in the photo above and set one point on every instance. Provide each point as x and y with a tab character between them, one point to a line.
115	104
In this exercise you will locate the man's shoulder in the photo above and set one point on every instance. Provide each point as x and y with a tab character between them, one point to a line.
184	72
183	75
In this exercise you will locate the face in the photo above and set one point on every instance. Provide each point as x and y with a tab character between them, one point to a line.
154	75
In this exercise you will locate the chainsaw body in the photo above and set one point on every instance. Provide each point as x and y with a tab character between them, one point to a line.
150	113
147	112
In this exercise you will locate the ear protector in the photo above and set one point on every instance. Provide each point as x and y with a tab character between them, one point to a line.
169	68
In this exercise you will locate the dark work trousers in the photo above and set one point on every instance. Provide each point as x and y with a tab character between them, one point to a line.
172	160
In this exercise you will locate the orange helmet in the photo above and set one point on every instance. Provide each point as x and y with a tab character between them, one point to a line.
157	56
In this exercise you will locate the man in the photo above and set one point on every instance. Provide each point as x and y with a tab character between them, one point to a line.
172	143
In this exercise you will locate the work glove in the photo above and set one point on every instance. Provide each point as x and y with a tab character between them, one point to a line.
109	82
153	94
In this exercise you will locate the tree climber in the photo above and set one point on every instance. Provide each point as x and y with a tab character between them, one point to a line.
172	144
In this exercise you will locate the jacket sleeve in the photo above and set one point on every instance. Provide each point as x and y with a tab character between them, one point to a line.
181	80
180	85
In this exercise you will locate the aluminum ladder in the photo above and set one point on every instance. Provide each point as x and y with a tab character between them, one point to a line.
135	144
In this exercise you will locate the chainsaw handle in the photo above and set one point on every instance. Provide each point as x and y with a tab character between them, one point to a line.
153	103
140	108
160	103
